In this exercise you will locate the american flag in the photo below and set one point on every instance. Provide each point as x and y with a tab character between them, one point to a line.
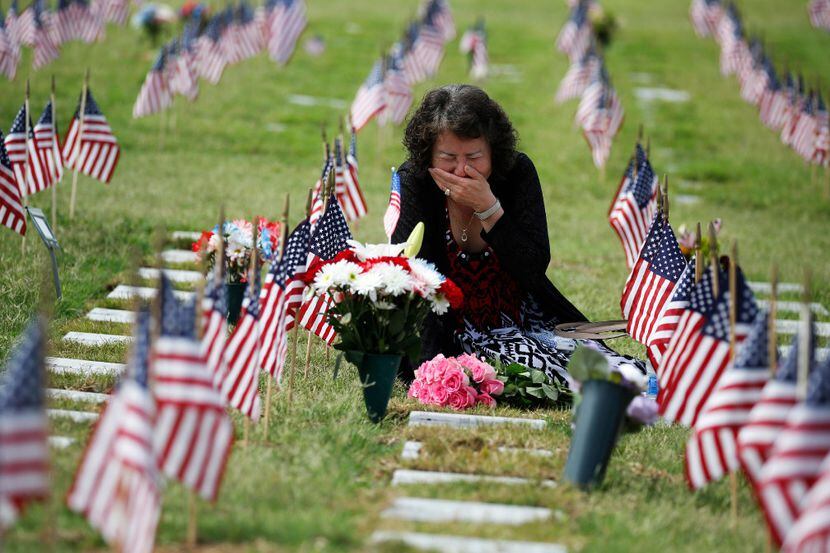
579	75
731	39
21	26
180	73
45	49
397	89
113	11
773	102
210	57
215	328
413	70
154	95
243	37
11	204
474	44
752	88
281	296
328	239
117	486
575	36
193	435
633	208
353	191
9	51
24	158
712	449
76	20
669	317
89	146
370	99
439	15
602	124
48	145
317	193
428	48
240	387
393	211
811	532
768	417
285	23
804	134
346	188
819	11
821	154
705	15
794	464
651	283
793	111
24	453
699	350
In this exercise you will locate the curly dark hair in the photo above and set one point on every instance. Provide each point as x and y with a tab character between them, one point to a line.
466	111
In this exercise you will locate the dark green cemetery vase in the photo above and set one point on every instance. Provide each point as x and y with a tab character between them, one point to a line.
377	376
235	292
599	418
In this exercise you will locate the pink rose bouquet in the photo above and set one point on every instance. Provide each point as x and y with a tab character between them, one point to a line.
456	382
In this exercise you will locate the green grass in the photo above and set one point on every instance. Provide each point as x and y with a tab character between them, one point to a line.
324	478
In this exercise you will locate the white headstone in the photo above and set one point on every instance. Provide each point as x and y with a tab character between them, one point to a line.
74	395
404	476
175	275
93	339
125	292
76	416
441	510
82	367
179	256
463	544
111	315
434	418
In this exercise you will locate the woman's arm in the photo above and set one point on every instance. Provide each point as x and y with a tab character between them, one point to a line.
519	236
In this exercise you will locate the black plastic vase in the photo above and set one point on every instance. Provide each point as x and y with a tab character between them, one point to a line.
599	418
377	376
234	292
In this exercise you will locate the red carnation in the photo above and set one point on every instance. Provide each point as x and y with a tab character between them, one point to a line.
452	292
202	242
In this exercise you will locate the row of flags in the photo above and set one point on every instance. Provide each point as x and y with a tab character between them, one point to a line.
600	113
167	416
785	104
743	415
473	43
32	157
204	49
386	94
819	11
46	29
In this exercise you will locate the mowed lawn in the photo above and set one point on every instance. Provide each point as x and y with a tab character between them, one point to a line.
324	477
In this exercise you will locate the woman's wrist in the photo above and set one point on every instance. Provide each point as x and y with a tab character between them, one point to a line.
485	214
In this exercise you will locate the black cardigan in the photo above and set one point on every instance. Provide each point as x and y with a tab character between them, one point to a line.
519	239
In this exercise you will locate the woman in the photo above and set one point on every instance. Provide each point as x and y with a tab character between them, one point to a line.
483	209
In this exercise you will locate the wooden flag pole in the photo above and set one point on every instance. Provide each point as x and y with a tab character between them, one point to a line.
25	187
698	254
55	184
804	341
78	145
773	312
666	198
192	520
733	340
713	257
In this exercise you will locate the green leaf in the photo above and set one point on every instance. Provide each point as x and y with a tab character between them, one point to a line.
587	364
537	376
535	391
550	391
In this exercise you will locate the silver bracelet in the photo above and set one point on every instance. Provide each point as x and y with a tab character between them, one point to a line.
489	211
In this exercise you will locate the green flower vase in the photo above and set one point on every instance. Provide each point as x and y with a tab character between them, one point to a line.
234	292
599	418
377	376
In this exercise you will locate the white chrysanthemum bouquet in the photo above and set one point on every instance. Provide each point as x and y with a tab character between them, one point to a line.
381	297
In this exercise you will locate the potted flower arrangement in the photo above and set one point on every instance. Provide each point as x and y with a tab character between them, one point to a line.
605	394
239	245
380	298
